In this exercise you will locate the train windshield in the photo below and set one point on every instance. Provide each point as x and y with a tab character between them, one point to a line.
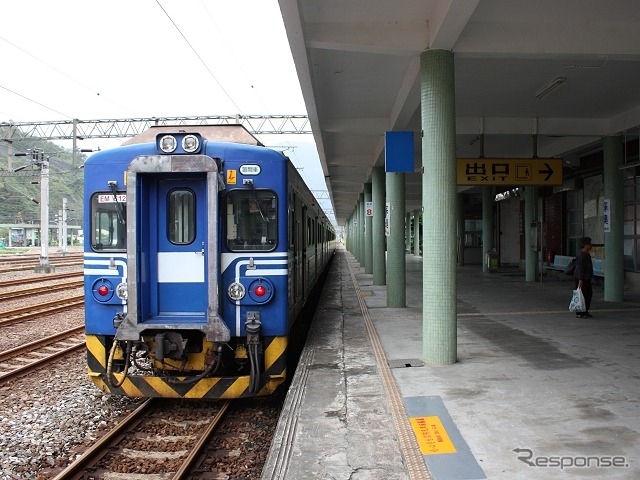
252	220
108	232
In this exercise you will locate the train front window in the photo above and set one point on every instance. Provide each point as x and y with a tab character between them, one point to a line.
108	232
182	217
252	220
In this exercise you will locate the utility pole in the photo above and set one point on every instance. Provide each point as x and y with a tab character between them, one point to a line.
38	158
74	147
65	209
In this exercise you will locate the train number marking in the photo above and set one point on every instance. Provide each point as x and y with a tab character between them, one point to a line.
110	199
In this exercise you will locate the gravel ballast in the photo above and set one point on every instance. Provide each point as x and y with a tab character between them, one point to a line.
47	415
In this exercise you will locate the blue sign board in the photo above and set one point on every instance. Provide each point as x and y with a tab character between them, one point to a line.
398	151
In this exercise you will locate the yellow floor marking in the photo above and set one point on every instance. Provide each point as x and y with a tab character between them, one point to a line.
431	435
416	466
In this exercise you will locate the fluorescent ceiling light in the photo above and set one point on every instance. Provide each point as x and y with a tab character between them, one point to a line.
550	87
629	165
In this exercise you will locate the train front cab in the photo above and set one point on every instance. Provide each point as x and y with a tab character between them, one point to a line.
173	304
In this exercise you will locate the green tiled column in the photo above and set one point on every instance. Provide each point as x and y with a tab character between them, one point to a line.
416	233
368	234
379	240
439	201
361	229
396	266
460	239
349	228
358	226
614	239
346	234
407	232
487	224
530	257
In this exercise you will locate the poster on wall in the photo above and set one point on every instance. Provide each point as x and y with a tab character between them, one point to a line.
594	209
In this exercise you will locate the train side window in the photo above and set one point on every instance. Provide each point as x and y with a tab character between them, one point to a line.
252	222
108	234
182	216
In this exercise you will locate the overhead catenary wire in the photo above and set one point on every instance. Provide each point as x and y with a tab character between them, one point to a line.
60	72
199	57
239	67
35	101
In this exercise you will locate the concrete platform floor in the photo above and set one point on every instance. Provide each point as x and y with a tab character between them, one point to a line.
536	393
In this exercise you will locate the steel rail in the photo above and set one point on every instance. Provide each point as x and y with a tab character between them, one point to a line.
27	347
42	278
97	451
33	265
23	258
40	290
9	317
76	470
38	362
202	442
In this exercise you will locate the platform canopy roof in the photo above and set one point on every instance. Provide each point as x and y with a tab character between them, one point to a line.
358	62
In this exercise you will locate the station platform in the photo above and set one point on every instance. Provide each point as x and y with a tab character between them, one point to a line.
536	393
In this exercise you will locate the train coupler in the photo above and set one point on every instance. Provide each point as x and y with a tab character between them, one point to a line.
253	327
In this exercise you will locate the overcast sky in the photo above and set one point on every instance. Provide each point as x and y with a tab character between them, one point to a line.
92	59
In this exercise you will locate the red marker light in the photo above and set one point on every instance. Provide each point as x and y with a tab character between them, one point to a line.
103	290
260	291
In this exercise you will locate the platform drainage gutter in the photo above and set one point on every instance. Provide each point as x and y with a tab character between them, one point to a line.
405	363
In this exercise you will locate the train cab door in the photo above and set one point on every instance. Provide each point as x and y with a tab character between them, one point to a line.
172	246
177	235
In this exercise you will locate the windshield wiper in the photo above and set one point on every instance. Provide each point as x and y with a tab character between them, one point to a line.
119	207
257	200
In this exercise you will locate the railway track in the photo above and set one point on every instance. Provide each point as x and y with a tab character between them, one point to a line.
155	441
18	264
9	317
35	258
40	290
39	279
31	266
24	359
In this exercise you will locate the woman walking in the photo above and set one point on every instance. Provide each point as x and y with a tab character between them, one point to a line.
583	275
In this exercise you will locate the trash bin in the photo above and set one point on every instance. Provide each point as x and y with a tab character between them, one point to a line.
492	261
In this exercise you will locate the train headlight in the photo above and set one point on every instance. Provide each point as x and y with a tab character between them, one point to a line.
190	143
236	291
122	292
168	144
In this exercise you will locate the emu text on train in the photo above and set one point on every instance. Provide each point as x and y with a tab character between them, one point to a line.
509	171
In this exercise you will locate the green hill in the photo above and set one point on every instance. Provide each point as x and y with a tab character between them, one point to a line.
17	188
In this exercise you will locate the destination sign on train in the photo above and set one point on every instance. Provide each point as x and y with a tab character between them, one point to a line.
509	171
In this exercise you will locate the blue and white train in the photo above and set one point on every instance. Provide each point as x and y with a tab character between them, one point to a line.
199	256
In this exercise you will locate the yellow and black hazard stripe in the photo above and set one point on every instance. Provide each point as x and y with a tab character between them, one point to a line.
227	387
